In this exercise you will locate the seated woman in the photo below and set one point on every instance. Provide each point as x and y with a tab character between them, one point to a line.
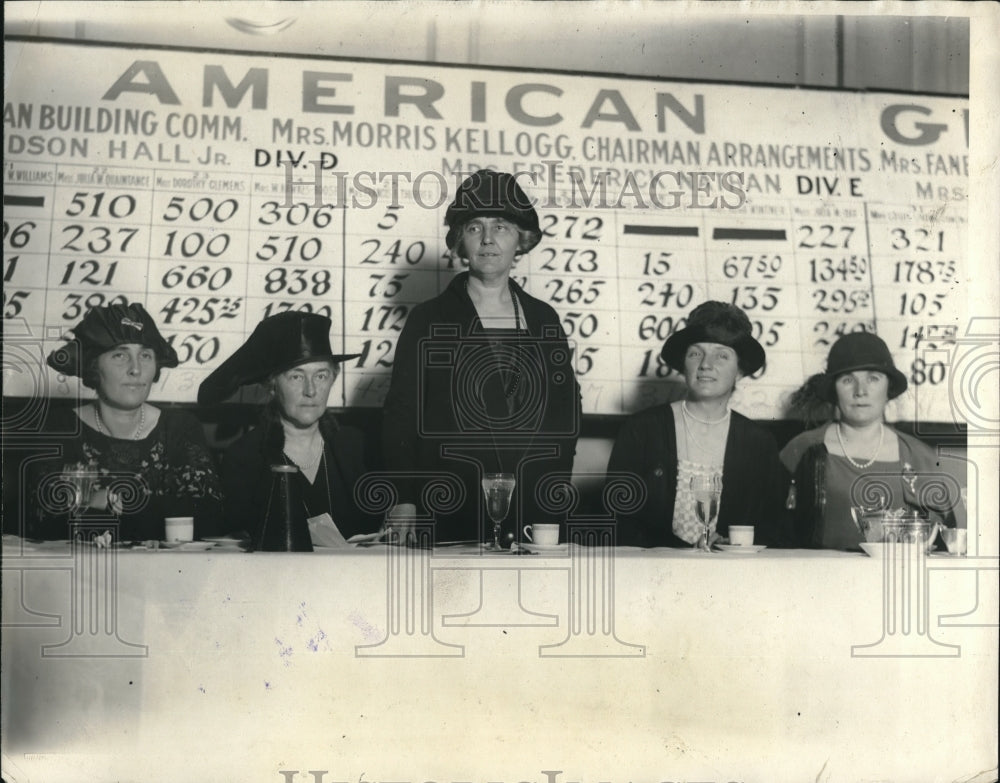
856	460
290	355
154	462
667	445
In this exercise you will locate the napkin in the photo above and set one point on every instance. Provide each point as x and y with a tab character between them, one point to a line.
324	532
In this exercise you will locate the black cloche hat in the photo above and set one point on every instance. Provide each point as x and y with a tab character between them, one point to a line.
488	193
277	344
716	322
861	351
104	328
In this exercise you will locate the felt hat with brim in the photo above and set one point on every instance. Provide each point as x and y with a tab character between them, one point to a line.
861	351
488	193
277	344
716	322
107	327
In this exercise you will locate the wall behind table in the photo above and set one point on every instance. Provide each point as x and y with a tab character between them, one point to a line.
867	51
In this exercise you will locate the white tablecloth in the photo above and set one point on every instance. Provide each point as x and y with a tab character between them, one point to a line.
223	665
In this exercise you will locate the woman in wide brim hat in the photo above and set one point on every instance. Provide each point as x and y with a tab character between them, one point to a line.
290	355
857	460
669	446
144	463
509	385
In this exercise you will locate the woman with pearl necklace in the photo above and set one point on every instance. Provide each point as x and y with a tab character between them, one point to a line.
667	445
857	459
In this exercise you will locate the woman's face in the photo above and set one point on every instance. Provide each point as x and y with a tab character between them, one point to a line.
711	371
125	375
490	244
302	392
862	396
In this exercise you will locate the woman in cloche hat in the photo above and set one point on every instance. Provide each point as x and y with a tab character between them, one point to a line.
482	373
669	445
144	463
856	459
290	355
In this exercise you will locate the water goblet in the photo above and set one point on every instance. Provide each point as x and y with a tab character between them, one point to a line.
706	491
498	488
81	479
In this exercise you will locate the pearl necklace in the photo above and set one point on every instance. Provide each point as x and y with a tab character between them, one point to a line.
304	465
138	430
878	448
311	454
715	451
706	422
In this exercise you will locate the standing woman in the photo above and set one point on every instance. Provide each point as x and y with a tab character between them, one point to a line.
290	355
158	458
857	456
482	380
667	445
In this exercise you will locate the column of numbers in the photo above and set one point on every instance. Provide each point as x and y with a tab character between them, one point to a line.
917	257
197	271
751	264
661	271
835	294
99	243
574	270
27	213
392	264
27	222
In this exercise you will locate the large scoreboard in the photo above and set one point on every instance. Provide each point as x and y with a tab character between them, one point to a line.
219	188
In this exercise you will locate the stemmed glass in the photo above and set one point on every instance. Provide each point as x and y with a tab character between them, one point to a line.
81	479
706	491
498	488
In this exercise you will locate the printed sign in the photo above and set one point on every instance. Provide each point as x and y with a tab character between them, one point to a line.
218	189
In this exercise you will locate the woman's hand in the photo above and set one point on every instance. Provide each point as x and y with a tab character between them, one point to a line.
399	523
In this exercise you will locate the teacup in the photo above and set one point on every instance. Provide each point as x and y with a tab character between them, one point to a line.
741	535
956	539
869	522
179	528
545	534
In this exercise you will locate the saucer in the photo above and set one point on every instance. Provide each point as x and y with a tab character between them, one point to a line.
874	549
187	546
752	549
543	548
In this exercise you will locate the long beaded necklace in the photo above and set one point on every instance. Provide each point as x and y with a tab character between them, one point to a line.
878	448
515	368
138	430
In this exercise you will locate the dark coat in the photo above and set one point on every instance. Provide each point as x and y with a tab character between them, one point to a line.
754	483
175	475
447	412
247	479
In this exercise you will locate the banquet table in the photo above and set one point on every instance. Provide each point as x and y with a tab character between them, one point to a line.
597	663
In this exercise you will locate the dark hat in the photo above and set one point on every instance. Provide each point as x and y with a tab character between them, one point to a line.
103	328
716	322
862	351
488	193
277	344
